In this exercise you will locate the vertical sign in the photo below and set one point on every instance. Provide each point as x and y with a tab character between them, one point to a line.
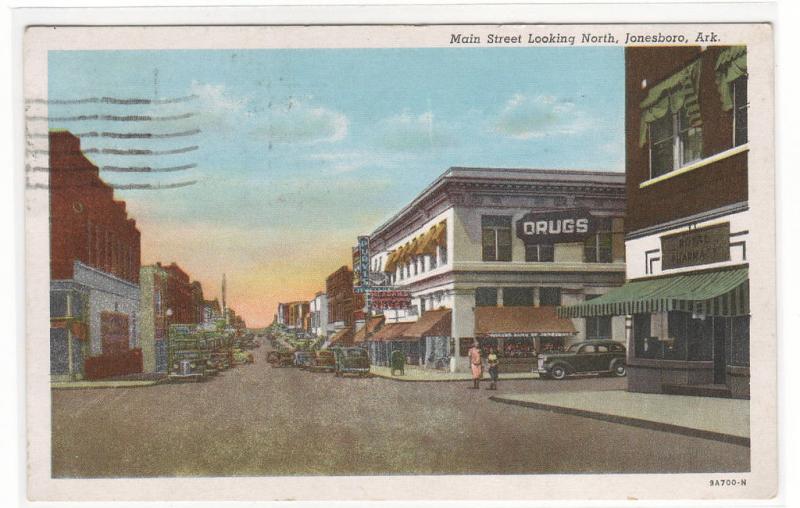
363	261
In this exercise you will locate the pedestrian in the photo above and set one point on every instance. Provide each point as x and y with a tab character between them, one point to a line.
493	368
476	365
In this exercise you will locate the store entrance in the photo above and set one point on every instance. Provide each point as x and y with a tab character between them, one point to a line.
720	340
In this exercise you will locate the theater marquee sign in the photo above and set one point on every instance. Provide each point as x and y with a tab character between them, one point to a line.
696	247
555	227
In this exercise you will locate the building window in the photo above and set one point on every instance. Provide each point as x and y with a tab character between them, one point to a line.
433	261
597	327
550	296
542	253
443	254
496	237
597	247
58	304
517	297
486	297
675	141
740	106
739	352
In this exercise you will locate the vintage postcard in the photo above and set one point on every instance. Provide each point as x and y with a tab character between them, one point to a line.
369	262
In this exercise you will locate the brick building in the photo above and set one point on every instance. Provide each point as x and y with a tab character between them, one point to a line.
94	269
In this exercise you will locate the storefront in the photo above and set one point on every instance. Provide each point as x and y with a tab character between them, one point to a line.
518	334
690	333
393	337
433	332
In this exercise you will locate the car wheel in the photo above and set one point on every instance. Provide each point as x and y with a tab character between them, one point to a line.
558	372
619	369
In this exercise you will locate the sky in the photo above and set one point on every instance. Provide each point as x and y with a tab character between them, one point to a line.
284	157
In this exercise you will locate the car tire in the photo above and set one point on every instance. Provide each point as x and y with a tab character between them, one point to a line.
558	372
618	369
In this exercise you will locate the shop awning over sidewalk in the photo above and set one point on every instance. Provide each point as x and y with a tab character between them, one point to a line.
391	331
343	337
371	325
714	293
433	323
521	322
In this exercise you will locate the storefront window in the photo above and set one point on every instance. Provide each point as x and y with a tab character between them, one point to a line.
645	346
517	297
740	342
496	237
543	253
486	297
597	327
549	296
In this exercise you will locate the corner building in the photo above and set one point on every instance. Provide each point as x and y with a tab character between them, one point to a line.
489	253
688	223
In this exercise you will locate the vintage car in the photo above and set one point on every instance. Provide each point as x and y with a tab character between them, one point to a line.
303	359
351	360
591	356
240	356
188	365
281	358
324	361
220	360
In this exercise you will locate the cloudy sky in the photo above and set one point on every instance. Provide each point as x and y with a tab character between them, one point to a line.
293	153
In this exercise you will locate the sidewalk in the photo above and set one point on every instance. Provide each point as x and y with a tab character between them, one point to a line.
130	381
726	420
413	373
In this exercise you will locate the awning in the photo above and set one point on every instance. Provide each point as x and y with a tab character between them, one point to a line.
731	65
521	322
391	331
343	337
433	323
370	326
714	293
669	96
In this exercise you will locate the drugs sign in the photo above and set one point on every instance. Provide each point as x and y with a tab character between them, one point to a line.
555	227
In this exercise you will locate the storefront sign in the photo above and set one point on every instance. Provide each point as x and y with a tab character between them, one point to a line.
696	247
382	300
555	227
361	266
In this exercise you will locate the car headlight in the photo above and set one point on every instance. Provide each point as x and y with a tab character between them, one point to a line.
176	366
192	365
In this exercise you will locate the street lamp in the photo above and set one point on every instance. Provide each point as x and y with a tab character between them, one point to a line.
169	345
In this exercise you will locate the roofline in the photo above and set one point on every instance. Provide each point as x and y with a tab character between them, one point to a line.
449	172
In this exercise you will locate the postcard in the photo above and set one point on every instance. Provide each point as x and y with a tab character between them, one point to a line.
393	261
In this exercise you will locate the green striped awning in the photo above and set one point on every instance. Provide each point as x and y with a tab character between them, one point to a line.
716	293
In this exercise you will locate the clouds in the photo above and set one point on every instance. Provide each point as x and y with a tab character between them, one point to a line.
301	121
414	133
526	117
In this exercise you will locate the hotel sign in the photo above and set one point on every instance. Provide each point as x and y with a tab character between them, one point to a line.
556	227
699	246
382	300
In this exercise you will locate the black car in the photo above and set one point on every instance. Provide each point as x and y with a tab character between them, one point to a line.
601	356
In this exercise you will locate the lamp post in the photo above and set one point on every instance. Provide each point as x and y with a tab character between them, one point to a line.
168	315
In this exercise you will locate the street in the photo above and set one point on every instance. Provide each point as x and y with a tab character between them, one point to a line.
255	420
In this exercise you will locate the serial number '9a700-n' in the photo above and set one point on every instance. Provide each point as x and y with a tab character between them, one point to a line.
728	482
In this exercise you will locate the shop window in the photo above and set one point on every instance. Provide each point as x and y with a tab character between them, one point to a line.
549	296
597	327
517	297
58	303
740	106
542	253
597	247
496	237
486	297
645	346
740	342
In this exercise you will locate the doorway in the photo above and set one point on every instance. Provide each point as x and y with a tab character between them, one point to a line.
721	331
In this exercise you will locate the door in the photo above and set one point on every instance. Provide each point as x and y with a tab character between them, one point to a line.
585	359
721	330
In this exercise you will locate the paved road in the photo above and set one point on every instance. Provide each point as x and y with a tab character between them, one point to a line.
255	420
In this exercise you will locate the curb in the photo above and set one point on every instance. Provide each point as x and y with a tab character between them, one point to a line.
630	421
104	385
408	380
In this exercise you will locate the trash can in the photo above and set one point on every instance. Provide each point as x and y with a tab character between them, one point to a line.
398	362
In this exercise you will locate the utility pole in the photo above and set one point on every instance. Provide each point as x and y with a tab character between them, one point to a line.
224	302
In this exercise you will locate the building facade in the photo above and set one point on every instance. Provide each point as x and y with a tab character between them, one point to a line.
153	304
94	270
688	222
494	252
319	315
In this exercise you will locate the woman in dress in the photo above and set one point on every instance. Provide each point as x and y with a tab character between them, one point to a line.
476	365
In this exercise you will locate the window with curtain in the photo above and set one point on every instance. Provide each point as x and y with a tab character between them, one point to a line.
496	237
731	78
671	122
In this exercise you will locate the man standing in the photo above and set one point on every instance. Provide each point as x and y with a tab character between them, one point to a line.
493	368
475	364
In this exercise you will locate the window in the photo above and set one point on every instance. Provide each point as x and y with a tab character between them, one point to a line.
58	303
486	297
740	106
644	345
517	297
443	254
597	247
433	262
549	296
539	253
740	341
597	327
496	237
675	141
589	348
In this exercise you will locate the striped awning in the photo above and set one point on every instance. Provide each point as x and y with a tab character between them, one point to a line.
713	293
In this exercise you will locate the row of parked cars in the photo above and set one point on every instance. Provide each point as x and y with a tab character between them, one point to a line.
339	360
194	355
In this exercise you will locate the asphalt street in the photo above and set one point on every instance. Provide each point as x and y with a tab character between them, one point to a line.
255	420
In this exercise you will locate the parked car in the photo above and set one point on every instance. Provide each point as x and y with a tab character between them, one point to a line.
601	356
303	359
351	360
241	356
281	358
324	361
188	365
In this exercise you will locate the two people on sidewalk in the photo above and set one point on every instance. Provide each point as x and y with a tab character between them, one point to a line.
476	364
